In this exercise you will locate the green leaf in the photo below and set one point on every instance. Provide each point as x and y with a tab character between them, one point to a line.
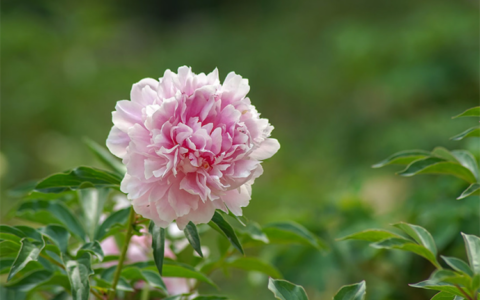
472	243
352	292
30	232
92	248
253	264
403	158
285	290
5	263
227	230
92	202
193	238
105	157
29	251
254	231
467	160
158	244
210	298
79	178
58	235
443	287
472	112
444	296
78	272
470	132
458	265
290	232
405	245
9	248
420	235
171	269
442	152
11	233
47	212
119	217
152	278
472	190
31	280
371	235
436	165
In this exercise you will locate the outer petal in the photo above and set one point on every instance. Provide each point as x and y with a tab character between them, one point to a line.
203	214
266	149
238	198
117	142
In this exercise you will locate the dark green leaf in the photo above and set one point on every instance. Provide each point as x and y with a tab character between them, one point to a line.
444	296
352	292
420	235
451	277
405	245
119	217
210	298
371	235
403	158
444	153
30	232
58	234
158	244
470	132
254	231
443	287
472	112
227	230
92	202
29	251
5	263
105	157
81	177
472	243
152	278
467	160
241	219
290	232
472	190
193	238
78	272
9	248
253	264
31	280
92	248
458	265
285	290
435	165
47	212
184	271
11	233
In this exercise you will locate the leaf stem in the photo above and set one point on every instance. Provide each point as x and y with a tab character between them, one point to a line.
52	260
96	294
123	254
467	296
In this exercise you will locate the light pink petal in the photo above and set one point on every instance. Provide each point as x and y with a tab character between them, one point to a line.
127	114
117	142
266	150
203	214
238	198
136	95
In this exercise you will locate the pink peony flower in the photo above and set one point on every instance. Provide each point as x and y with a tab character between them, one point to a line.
191	145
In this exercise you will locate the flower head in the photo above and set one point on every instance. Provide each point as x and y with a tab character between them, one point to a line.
191	145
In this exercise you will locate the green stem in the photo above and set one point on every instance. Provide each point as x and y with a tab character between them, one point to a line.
123	254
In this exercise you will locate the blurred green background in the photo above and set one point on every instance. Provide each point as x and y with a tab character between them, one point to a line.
345	83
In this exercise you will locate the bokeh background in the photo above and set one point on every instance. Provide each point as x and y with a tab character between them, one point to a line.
345	83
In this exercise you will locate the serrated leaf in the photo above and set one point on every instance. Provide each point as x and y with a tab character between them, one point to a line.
253	264
352	292
105	157
171	269
420	235
58	235
92	248
29	251
371	235
435	165
285	290
470	132
402	158
193	238
47	212
471	112
227	230
472	190
405	245
78	178
158	245
119	217
291	232
31	280
472	244
92	202
458	265
79	271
